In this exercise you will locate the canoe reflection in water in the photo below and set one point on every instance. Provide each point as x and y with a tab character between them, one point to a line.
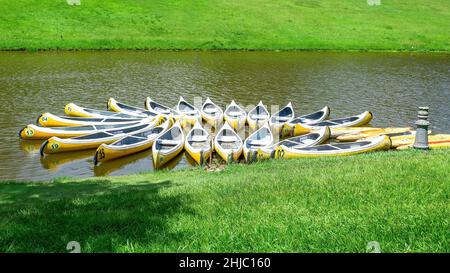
141	161
54	162
31	147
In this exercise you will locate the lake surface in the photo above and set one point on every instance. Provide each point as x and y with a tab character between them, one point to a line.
391	85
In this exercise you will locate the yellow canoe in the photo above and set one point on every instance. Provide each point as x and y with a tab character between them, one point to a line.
335	149
353	121
307	140
261	138
212	113
32	131
279	119
189	113
235	116
50	120
131	144
198	144
159	108
168	145
92	141
257	116
228	144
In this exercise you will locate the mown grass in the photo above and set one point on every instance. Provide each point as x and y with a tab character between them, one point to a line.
226	24
399	199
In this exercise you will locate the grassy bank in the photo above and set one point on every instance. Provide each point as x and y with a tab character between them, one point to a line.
226	24
399	199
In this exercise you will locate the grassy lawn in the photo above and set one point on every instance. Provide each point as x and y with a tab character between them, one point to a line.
400	199
416	25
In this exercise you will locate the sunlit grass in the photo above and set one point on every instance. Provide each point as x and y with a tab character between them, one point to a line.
225	24
399	199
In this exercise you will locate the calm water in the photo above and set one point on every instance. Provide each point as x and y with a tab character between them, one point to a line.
389	85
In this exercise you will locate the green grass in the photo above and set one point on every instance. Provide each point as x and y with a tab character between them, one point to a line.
400	199
416	25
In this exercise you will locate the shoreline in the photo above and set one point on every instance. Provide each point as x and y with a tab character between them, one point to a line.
224	50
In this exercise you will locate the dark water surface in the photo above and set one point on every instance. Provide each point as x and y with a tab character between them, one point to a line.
391	85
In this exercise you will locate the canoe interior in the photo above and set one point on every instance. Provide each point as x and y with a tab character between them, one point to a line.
112	126
159	107
75	128
300	140
107	113
229	145
284	113
263	136
308	117
234	144
211	109
113	132
196	133
139	137
259	113
234	111
336	121
174	134
135	109
184	106
105	119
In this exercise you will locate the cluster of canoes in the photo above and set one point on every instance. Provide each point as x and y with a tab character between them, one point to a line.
123	130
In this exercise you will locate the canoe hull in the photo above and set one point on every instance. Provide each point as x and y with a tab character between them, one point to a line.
200	157
159	159
281	152
55	145
225	154
34	132
236	123
104	153
300	129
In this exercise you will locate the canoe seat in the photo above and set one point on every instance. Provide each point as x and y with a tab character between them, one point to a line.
211	111
234	113
255	116
190	112
282	119
168	142
228	139
257	142
201	138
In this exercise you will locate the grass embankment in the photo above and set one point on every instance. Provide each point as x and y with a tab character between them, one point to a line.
400	199
226	24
